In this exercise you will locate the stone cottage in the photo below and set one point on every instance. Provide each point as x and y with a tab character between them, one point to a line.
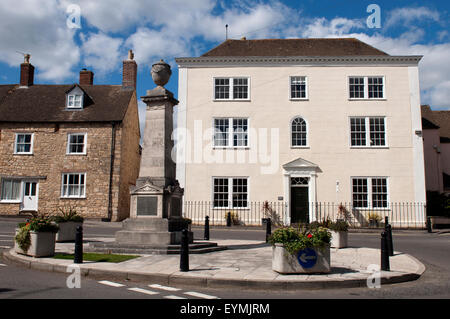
69	145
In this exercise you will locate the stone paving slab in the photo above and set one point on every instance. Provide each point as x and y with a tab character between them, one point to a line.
246	264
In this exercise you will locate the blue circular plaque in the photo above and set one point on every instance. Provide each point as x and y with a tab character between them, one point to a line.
307	258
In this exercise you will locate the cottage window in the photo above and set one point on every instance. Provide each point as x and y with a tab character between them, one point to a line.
76	143
73	185
23	143
370	192
10	189
75	101
230	192
231	88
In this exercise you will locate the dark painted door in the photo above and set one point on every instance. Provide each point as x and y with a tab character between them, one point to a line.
299	205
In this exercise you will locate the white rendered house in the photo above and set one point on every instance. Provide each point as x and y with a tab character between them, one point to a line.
302	122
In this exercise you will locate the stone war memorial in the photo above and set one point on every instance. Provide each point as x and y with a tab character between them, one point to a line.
155	224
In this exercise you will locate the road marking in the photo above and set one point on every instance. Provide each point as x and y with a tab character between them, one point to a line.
10	235
156	286
5	247
199	295
110	283
2	265
144	291
173	297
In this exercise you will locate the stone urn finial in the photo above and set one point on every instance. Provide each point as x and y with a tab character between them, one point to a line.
161	73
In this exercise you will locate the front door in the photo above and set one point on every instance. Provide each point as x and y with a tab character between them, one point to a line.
299	205
30	196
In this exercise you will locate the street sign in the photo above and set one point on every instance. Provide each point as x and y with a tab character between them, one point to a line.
307	258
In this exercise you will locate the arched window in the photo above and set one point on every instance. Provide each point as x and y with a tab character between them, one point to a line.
299	132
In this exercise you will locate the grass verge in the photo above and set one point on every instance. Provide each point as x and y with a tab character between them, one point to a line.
108	258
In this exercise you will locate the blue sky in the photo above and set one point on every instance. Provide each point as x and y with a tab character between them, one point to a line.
177	28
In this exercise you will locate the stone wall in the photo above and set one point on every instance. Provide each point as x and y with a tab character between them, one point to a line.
49	160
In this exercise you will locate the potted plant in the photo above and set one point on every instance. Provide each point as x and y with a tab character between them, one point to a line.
297	251
68	220
233	216
36	237
374	219
338	231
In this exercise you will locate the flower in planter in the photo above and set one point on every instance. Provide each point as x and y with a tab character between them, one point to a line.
295	240
39	223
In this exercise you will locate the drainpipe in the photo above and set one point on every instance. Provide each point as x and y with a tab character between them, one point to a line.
111	170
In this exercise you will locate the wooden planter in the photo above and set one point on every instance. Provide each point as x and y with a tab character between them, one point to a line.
339	239
310	260
42	244
67	231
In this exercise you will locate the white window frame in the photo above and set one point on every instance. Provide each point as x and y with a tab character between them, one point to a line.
11	201
72	105
230	88
230	133
68	152
31	143
306	88
366	88
291	132
367	127
370	193
79	184
230	192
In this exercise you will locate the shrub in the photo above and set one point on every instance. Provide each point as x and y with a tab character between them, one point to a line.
234	217
67	214
23	237
339	225
295	240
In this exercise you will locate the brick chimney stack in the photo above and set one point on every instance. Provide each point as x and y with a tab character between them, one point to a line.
86	77
129	75
26	72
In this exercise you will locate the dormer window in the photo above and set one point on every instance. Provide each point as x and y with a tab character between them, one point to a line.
75	98
74	101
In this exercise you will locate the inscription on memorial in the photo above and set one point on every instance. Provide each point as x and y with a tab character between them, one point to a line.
147	206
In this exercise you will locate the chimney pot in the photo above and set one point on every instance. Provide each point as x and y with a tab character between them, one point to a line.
26	72
86	77
129	75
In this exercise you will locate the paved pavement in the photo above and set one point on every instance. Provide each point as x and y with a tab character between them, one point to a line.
246	264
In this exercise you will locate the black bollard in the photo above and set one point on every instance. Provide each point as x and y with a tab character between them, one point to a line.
184	252
78	254
384	253
386	222
206	236
389	240
268	229
229	219
429	228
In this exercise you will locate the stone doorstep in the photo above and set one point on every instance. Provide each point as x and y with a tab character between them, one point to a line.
172	275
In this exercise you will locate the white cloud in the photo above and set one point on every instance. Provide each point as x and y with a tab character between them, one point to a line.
38	28
102	52
410	15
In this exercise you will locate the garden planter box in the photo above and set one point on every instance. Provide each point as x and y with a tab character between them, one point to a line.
67	231
339	239
310	260
42	244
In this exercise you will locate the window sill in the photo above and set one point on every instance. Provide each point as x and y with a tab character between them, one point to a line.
230	208
231	148
72	197
298	99
5	201
300	147
76	154
24	154
232	100
367	99
369	147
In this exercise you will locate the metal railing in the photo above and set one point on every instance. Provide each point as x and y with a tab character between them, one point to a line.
401	215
